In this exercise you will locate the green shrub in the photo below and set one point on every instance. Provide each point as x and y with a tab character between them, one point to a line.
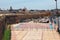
7	35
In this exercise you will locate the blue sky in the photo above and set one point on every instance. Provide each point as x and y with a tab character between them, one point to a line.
29	4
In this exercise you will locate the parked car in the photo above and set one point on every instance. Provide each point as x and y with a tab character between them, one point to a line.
44	20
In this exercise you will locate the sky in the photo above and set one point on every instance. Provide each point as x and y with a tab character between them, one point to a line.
29	4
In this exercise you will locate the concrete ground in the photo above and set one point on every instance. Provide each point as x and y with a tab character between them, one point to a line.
33	31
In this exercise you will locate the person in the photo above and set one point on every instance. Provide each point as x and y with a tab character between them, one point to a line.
51	19
51	27
54	21
58	29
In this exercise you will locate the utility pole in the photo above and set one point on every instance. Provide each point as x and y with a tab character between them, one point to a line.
56	4
56	7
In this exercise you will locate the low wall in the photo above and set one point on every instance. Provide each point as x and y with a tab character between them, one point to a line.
2	27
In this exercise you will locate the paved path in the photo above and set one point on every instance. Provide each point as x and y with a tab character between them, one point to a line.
30	26
40	31
34	34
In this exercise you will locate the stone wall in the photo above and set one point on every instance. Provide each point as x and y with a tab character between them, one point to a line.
12	19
